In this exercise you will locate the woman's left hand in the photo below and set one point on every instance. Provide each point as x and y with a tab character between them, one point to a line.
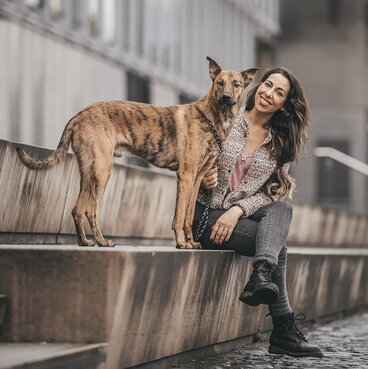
225	224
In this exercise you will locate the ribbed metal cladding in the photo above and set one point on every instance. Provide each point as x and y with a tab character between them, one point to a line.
57	57
45	82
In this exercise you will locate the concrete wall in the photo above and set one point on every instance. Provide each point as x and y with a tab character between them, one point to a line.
138	203
152	302
315	225
41	202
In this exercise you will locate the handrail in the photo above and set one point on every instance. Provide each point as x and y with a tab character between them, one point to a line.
343	158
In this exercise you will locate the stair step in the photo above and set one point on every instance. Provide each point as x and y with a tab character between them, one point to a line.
51	355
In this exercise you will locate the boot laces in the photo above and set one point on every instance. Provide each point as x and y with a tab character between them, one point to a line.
269	271
294	329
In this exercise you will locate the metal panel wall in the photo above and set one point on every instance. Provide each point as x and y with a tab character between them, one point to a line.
44	82
47	74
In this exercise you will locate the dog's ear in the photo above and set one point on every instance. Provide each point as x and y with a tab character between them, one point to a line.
248	75
215	69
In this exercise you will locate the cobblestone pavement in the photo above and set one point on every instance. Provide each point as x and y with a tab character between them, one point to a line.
344	343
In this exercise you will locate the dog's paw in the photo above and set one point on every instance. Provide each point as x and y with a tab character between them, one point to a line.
195	245
186	245
106	243
87	243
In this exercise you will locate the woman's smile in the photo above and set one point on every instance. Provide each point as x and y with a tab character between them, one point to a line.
264	101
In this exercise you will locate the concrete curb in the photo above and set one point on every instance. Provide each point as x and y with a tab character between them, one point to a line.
154	302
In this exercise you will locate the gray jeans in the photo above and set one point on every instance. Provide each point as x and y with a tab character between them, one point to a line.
263	236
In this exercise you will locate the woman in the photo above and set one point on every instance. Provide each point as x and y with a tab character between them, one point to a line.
247	211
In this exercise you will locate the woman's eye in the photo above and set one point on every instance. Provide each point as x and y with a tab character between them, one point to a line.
267	84
279	93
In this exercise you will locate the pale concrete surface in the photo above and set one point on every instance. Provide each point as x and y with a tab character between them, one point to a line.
154	302
51	355
343	342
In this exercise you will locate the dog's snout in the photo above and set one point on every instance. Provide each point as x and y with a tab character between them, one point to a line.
227	99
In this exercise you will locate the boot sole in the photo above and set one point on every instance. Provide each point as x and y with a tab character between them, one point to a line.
279	350
267	295
249	299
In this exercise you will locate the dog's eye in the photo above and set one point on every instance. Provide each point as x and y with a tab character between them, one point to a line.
220	82
236	84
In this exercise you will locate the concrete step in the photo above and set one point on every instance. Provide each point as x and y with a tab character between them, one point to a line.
51	356
149	303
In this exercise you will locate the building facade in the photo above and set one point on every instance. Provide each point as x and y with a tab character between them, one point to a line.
57	56
325	43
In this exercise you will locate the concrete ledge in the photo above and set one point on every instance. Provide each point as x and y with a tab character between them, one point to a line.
65	239
35	206
153	302
51	356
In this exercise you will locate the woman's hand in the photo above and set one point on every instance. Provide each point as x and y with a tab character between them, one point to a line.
225	224
209	180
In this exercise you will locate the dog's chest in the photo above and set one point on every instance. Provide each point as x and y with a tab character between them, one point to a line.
226	124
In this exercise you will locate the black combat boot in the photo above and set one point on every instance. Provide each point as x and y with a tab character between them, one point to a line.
260	289
287	339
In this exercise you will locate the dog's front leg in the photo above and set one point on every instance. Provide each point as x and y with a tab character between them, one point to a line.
184	186
188	223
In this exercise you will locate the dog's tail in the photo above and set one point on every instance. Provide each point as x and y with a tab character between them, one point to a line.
55	157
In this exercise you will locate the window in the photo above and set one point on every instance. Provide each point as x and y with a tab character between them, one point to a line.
34	3
334	12
56	9
333	178
265	57
76	13
94	17
138	88
185	99
108	21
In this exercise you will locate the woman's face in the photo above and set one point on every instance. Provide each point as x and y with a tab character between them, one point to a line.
272	93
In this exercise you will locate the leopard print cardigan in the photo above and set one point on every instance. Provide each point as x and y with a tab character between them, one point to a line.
249	195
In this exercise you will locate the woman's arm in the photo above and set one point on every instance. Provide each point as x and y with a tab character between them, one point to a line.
251	204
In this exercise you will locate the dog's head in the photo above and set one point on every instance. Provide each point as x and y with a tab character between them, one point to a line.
228	86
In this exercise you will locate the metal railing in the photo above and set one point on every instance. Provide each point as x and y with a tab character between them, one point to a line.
342	158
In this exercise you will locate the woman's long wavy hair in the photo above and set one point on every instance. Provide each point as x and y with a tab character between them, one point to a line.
289	128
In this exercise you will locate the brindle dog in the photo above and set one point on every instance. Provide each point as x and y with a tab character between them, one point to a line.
176	137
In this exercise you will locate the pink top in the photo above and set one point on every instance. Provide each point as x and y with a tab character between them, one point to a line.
242	165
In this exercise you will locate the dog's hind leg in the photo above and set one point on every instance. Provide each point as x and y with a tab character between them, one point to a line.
100	173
